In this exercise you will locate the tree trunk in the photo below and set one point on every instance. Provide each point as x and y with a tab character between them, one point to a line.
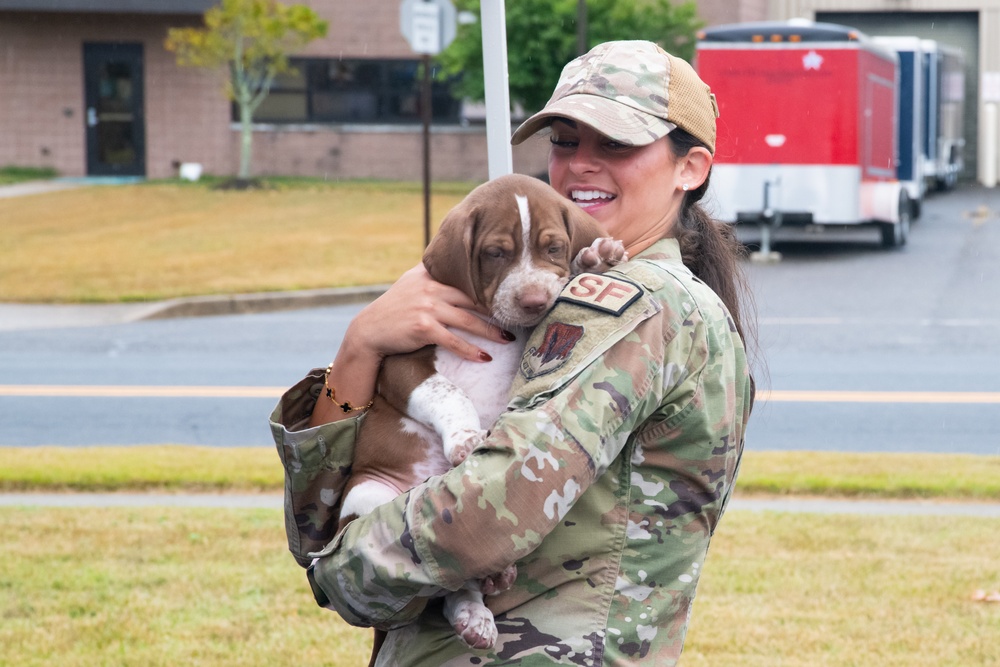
246	140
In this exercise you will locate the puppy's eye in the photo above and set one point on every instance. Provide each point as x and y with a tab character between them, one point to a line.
494	253
556	250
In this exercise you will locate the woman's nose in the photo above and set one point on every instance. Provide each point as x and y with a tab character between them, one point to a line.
584	159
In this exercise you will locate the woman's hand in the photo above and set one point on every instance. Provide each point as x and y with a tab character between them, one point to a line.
414	312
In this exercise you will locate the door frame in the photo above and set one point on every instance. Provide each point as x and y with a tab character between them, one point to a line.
96	54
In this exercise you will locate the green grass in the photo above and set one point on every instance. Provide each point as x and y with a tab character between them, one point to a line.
192	468
160	587
12	174
163	587
140	468
167	586
800	590
169	239
868	475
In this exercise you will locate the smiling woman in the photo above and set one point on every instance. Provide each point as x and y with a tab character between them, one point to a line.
606	476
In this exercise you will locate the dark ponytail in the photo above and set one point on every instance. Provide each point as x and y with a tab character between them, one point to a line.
712	252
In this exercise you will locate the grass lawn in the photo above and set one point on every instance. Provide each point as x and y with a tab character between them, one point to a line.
159	240
192	468
167	587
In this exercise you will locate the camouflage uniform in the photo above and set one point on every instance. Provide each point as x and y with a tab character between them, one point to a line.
604	481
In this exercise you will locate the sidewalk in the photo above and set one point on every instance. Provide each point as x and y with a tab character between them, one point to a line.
274	501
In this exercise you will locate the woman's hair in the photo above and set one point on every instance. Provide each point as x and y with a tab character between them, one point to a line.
712	252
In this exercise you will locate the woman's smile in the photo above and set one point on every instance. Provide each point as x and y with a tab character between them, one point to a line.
590	199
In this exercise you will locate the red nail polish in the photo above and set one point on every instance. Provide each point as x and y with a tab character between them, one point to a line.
506	335
484	357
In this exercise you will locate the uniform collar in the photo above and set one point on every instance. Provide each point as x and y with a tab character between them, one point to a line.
664	250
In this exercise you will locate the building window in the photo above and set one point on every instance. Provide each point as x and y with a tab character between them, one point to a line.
353	91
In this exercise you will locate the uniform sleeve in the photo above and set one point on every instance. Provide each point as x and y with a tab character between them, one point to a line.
508	495
317	463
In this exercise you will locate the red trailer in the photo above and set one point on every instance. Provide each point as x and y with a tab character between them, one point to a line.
807	128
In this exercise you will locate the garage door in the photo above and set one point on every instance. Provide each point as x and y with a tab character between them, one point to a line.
957	29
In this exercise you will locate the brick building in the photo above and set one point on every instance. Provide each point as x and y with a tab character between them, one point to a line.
87	87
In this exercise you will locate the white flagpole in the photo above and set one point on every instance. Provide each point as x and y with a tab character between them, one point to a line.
497	94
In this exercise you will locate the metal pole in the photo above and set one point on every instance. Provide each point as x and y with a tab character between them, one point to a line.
581	27
425	112
497	93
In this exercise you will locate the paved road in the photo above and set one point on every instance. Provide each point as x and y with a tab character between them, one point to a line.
909	341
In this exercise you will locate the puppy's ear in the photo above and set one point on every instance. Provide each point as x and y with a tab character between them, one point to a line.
449	256
582	228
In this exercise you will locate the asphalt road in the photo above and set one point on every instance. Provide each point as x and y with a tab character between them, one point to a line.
860	350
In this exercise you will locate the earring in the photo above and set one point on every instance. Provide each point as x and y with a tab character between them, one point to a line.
685	187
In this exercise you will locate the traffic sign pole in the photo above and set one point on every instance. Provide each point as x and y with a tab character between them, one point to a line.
425	115
429	27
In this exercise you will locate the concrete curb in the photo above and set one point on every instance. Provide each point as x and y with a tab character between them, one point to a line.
22	316
261	302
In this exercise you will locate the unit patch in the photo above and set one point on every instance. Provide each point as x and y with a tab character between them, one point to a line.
604	293
555	348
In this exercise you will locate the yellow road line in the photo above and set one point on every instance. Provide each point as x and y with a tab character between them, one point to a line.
779	396
127	391
774	396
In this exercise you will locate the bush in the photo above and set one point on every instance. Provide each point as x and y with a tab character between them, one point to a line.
12	174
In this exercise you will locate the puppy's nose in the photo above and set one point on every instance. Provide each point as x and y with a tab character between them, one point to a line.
533	302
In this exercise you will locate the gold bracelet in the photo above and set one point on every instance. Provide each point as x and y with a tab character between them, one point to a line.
331	393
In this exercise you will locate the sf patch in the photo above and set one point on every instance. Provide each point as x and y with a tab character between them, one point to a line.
608	294
556	346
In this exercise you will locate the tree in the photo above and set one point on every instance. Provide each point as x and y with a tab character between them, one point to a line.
541	39
253	38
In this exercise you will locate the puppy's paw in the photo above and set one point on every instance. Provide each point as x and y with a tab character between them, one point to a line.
459	445
601	255
499	582
475	625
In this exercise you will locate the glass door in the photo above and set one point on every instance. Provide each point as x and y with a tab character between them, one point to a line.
116	132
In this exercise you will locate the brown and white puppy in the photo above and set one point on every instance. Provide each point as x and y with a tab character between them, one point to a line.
511	244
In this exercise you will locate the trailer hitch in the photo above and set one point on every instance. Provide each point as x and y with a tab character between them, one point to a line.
770	220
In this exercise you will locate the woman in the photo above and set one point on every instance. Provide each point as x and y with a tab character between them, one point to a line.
607	476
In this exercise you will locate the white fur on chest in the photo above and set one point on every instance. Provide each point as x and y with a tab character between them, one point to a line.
486	384
457	405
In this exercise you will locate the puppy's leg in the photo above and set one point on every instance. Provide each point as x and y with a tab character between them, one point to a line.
602	254
499	582
470	618
364	496
445	408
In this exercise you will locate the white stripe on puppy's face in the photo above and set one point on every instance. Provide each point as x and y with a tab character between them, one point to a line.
522	207
527	291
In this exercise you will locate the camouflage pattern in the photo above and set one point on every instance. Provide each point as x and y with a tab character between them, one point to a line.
631	91
604	482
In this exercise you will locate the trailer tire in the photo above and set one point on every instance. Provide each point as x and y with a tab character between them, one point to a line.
896	234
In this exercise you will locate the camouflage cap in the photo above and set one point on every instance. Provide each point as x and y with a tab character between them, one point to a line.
633	92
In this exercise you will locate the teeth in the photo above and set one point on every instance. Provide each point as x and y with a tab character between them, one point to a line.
589	195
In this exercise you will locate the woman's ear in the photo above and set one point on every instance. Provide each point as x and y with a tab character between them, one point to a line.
694	167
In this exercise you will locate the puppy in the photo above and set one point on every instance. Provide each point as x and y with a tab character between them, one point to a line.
512	244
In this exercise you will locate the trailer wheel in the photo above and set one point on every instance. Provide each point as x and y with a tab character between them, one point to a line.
895	234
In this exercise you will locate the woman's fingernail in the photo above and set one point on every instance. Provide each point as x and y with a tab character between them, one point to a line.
506	335
484	357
